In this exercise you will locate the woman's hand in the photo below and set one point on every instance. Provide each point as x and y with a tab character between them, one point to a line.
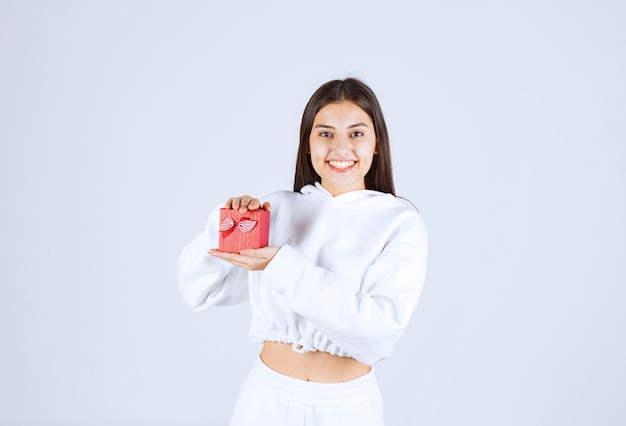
250	259
245	203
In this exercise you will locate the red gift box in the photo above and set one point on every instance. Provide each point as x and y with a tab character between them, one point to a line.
239	231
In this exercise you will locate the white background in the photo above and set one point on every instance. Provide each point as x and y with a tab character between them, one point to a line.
122	123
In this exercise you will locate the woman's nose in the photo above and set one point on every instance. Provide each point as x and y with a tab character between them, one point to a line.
341	143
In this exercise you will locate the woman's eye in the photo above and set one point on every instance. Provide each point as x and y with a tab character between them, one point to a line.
357	134
325	134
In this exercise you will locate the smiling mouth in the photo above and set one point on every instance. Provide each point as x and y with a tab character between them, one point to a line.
341	165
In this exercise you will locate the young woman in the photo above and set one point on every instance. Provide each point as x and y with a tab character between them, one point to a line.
336	287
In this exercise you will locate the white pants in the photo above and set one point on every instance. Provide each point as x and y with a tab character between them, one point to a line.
267	397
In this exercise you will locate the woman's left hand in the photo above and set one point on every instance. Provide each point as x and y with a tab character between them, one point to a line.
250	259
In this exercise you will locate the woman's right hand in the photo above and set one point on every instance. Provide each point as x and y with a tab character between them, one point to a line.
250	259
244	203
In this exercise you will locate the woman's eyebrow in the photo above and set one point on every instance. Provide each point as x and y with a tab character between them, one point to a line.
326	126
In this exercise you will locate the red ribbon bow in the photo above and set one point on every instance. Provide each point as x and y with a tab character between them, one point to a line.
245	225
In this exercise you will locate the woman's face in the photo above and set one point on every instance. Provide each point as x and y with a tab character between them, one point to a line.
342	146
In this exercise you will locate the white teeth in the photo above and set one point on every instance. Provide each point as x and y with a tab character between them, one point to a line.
341	164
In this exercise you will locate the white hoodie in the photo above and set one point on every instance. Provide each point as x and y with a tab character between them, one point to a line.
346	280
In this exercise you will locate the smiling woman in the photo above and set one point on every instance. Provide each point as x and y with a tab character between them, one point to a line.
337	285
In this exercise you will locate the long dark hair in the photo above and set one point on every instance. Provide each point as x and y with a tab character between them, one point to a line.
380	176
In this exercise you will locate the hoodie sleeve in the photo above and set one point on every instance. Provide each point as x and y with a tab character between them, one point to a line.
367	324
207	281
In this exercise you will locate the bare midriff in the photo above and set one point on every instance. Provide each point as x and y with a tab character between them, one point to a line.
316	366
